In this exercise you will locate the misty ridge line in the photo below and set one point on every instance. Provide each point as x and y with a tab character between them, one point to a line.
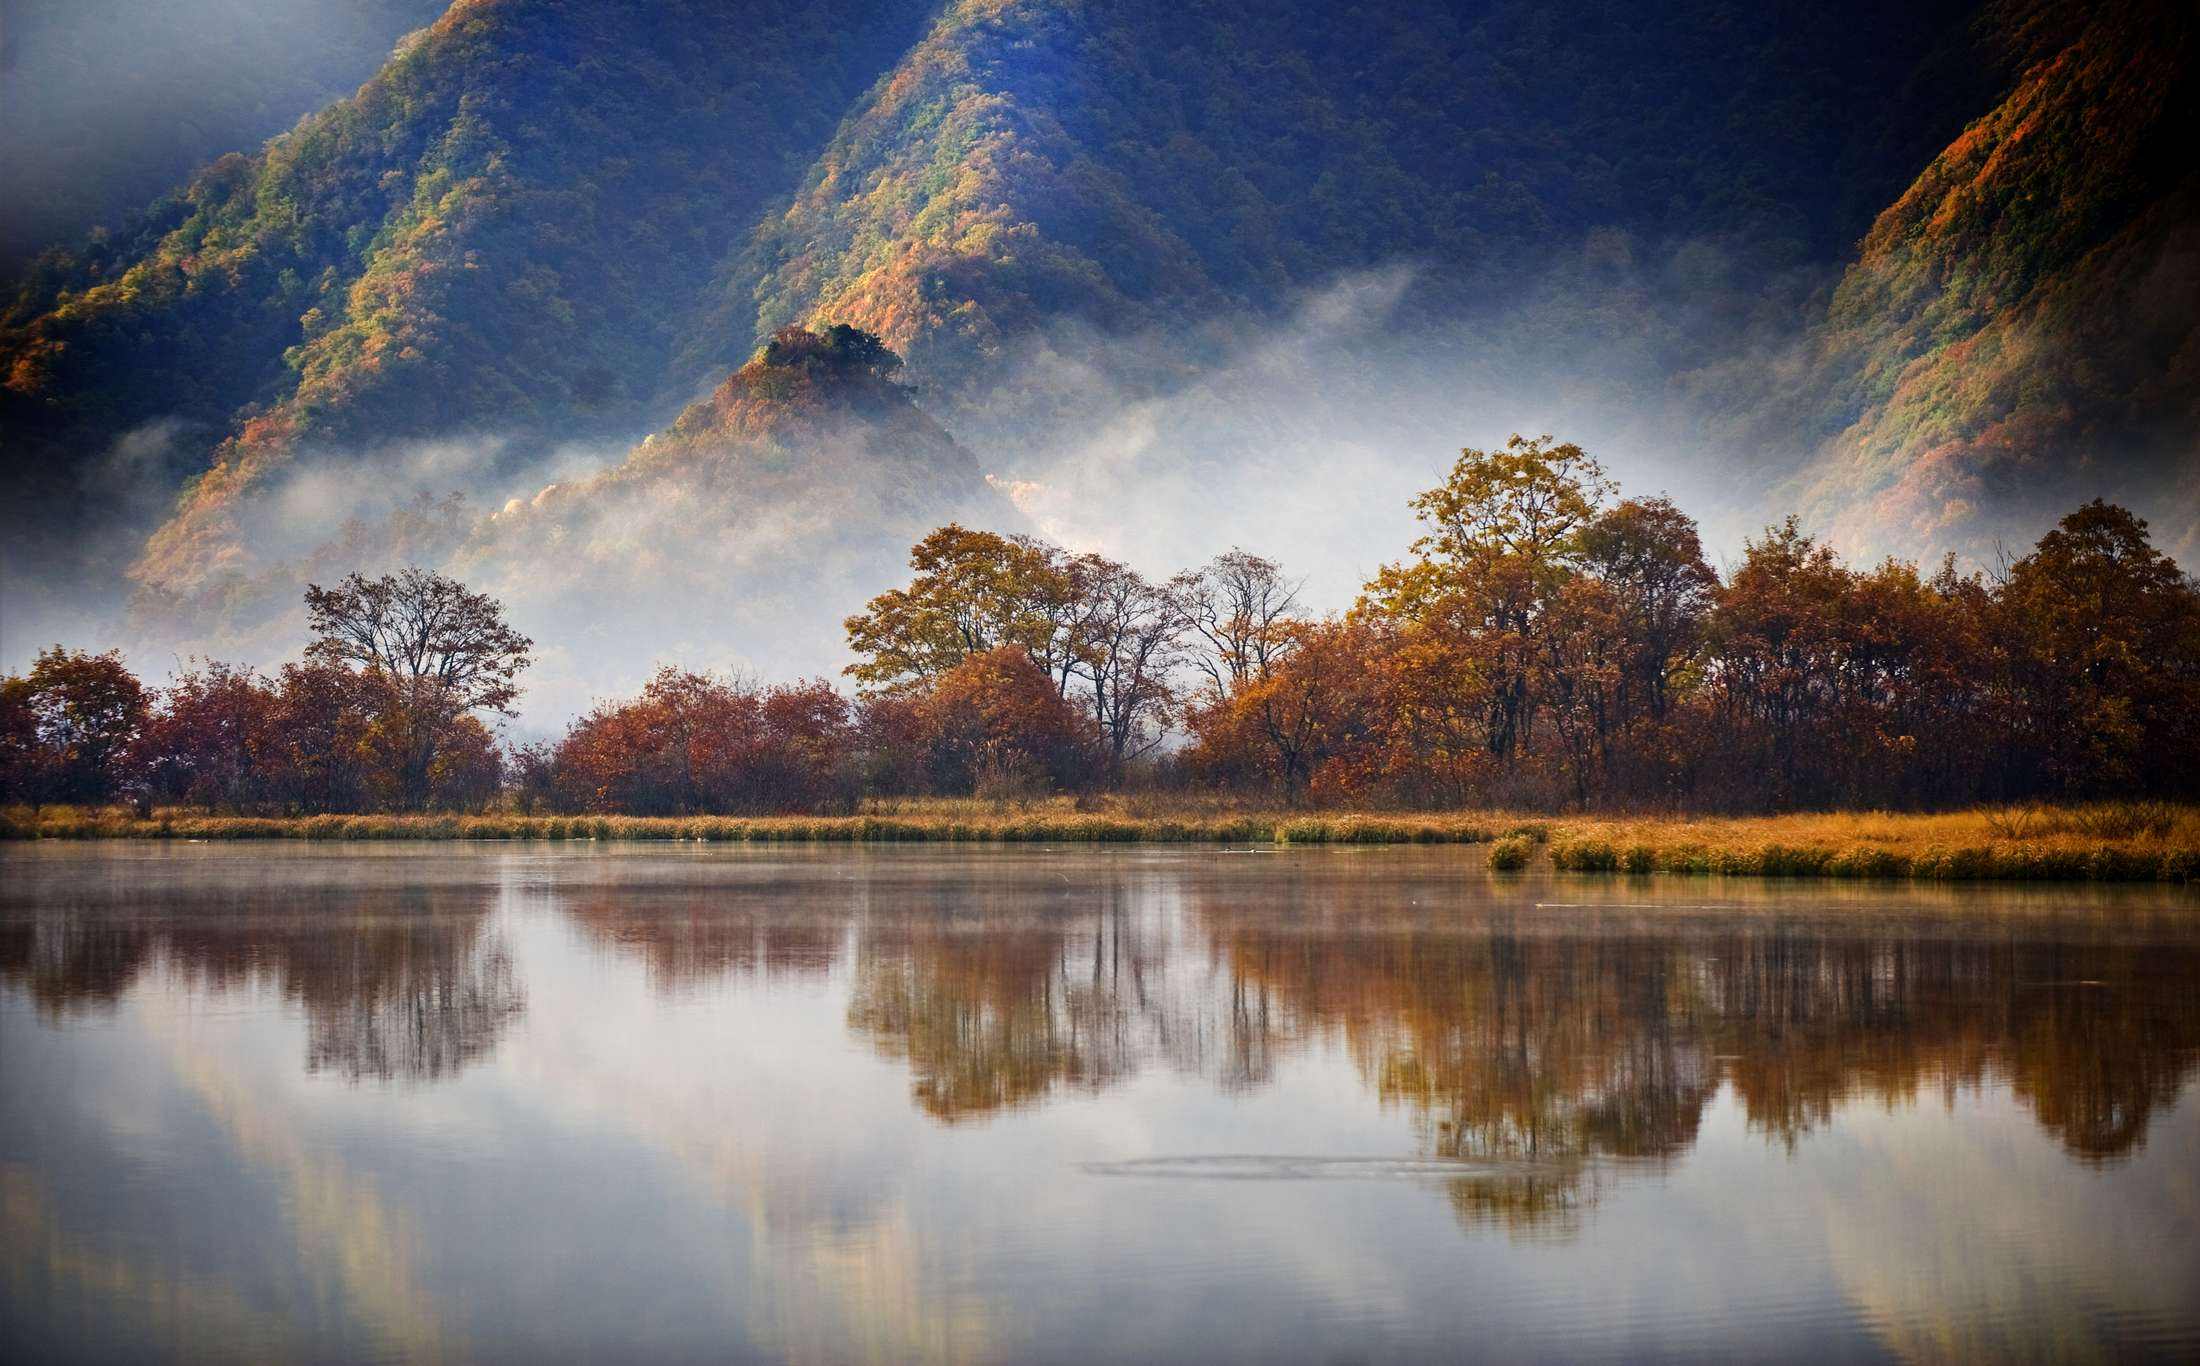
1264	425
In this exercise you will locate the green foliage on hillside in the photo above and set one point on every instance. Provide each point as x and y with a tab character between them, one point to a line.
550	219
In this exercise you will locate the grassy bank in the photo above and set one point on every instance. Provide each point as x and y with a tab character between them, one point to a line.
2113	842
1059	821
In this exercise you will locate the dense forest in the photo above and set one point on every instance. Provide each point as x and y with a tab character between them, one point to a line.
1544	643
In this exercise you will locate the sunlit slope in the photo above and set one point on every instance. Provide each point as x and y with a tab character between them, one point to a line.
548	223
2019	331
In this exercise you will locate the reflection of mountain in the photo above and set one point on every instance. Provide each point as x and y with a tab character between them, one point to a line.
410	986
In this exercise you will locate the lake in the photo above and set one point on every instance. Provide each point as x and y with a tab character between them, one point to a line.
518	1102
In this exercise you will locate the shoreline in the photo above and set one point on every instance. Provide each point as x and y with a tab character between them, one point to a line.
2145	842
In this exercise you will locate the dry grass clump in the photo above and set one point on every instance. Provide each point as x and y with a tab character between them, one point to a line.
1511	853
1052	821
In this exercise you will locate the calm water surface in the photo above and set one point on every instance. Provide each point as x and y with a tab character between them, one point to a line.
515	1103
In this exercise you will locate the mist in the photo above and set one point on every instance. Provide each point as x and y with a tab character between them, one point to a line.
1306	442
1301	435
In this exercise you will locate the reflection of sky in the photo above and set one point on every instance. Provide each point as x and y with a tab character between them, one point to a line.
645	1168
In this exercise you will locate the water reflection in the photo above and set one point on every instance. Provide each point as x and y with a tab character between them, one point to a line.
405	983
882	1104
1537	1032
991	1009
1513	1044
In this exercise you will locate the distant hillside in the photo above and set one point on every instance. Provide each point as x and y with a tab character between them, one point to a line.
1142	256
2021	330
748	527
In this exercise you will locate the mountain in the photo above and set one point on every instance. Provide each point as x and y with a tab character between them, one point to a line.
494	234
1034	169
740	532
2021	329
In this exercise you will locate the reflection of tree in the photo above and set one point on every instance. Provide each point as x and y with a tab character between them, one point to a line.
993	1014
692	938
1520	1058
996	986
69	959
393	984
410	998
1566	1043
2095	1035
1548	1202
1542	1042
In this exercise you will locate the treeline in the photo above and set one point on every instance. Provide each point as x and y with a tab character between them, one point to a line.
1544	643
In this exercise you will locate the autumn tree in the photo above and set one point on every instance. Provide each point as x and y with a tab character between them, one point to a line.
21	760
317	742
974	592
1124	646
1777	637
1313	724
212	739
996	722
1239	608
1841	685
1648	554
428	651
838	348
468	770
1505	533
697	742
2104	631
68	726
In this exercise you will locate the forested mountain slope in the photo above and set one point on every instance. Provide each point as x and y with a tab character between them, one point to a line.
1036	164
2021	330
1096	227
495	234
